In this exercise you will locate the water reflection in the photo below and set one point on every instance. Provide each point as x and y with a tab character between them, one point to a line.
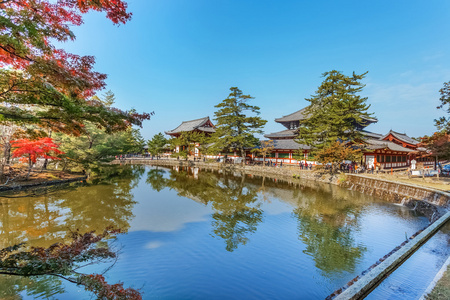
327	216
47	215
45	287
298	239
155	177
329	241
42	217
236	211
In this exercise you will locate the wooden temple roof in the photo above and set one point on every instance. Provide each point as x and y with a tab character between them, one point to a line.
295	116
377	144
288	144
288	133
301	114
203	124
402	137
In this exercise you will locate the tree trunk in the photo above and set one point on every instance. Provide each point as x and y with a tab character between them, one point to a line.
44	166
7	153
30	164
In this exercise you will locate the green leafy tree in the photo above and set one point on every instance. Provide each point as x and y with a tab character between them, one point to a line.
234	128
41	84
336	153
443	123
439	142
187	141
157	143
97	146
265	148
336	112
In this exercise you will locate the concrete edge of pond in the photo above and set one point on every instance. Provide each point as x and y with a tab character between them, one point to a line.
361	285
38	184
404	184
438	276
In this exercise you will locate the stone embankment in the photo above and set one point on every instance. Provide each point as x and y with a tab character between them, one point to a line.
431	202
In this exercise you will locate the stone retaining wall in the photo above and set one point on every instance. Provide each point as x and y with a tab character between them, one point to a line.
395	191
432	203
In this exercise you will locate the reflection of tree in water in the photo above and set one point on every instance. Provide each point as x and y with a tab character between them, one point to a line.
236	212
327	215
46	215
105	203
44	287
45	218
325	225
155	177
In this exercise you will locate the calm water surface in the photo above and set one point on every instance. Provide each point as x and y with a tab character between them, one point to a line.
192	234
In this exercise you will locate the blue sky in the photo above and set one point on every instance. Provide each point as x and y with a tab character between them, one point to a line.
179	58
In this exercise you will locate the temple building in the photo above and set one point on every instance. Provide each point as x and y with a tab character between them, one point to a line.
286	150
392	150
203	125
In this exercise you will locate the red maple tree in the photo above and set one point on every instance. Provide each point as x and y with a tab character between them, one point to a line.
35	74
30	150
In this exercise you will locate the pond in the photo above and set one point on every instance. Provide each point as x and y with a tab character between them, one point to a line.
196	234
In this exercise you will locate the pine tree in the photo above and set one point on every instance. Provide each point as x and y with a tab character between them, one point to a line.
336	112
234	129
157	143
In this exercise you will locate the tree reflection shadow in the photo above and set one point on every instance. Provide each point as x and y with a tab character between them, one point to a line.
44	217
326	225
237	212
45	287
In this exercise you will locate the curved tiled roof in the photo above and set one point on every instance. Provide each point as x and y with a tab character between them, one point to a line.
295	116
301	114
401	136
371	134
288	133
375	144
288	144
193	125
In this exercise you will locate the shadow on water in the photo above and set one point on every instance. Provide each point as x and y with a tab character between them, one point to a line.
236	211
44	287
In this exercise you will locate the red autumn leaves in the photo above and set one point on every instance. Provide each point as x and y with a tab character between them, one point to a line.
30	150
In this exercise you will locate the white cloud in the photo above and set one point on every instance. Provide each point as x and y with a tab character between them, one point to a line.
153	245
